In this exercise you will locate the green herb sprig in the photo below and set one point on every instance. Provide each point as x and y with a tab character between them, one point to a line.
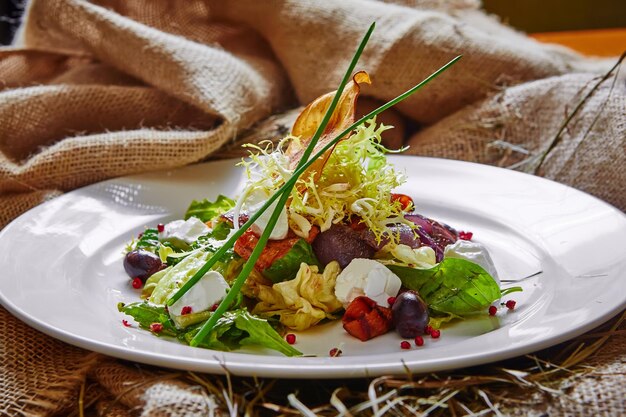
304	164
286	188
284	196
284	193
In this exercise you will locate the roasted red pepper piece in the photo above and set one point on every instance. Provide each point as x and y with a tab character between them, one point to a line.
364	319
274	249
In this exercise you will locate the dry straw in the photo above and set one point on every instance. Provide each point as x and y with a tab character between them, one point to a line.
524	384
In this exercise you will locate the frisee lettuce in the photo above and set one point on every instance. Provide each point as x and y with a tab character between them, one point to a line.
356	182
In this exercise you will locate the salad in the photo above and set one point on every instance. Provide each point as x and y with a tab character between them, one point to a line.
345	246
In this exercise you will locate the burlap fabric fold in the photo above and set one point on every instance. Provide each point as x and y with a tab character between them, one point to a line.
94	90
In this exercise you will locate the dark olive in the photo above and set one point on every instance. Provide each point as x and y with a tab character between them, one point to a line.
141	263
409	314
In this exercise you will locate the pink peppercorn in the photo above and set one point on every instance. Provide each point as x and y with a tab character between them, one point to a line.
334	352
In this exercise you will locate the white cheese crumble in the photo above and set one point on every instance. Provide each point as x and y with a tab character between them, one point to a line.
187	231
210	290
369	278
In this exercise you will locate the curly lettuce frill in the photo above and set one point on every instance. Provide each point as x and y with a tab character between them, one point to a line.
303	301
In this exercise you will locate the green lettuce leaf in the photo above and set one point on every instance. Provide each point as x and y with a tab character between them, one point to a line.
177	276
153	281
233	330
149	241
262	334
286	267
214	239
146	313
206	210
210	242
454	286
224	336
220	232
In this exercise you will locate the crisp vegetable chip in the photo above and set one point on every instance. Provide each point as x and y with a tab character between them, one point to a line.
311	117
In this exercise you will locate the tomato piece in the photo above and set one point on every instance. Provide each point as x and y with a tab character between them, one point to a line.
406	202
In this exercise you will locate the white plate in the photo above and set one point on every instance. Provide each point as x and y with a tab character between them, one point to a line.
63	274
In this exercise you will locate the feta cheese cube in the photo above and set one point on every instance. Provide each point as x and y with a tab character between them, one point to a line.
369	278
210	290
187	231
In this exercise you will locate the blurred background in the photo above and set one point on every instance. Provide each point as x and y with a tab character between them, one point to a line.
559	15
10	12
532	16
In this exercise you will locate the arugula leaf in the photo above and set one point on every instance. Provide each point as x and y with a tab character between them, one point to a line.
234	329
206	210
286	267
149	240
146	313
220	231
454	286
208	243
239	328
261	333
224	336
213	239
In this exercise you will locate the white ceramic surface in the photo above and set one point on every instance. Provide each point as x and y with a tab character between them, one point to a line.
62	269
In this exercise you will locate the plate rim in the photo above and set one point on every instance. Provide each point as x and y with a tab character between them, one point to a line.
313	369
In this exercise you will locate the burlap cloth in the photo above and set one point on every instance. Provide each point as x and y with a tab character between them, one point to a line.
94	90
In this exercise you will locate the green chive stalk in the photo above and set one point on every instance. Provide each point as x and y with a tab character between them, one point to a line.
285	191
296	174
237	234
284	196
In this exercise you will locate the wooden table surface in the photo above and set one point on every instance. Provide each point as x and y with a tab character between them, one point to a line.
599	42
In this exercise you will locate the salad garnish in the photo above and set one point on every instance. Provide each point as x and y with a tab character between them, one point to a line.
337	243
282	200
